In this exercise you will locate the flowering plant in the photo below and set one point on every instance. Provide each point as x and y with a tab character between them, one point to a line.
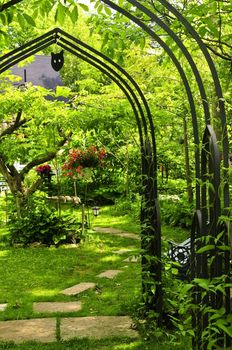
44	169
78	160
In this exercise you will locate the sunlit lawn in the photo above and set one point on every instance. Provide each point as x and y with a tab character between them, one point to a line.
35	274
107	218
39	274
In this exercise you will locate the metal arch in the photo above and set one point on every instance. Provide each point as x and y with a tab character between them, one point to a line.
149	183
148	171
9	4
94	59
8	63
184	79
182	47
185	82
46	43
109	74
210	157
124	72
220	265
37	48
216	81
117	66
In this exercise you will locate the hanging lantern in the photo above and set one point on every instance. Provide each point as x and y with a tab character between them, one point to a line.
95	211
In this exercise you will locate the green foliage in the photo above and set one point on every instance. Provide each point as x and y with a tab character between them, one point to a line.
41	224
176	211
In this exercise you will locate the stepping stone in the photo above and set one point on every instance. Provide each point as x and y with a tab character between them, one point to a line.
128	235
78	288
41	330
107	230
71	306
97	327
110	273
121	251
116	232
3	307
132	259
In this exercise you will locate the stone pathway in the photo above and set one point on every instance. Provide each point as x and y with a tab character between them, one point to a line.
78	288
47	329
117	232
97	327
40	329
110	273
44	330
121	251
71	306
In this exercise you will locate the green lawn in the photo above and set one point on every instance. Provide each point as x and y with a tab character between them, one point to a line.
107	218
35	274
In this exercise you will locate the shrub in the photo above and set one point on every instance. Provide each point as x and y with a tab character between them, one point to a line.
44	226
176	211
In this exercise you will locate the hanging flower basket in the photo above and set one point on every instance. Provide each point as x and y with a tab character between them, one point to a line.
81	162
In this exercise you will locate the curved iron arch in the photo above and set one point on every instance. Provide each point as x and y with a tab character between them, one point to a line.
50	38
15	56
214	75
217	89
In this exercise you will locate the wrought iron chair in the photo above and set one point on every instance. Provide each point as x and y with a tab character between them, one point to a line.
180	253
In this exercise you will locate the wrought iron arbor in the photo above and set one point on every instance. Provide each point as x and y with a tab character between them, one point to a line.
211	164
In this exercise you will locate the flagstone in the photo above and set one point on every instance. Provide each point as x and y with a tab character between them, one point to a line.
116	232
107	230
3	307
78	288
97	327
71	306
128	235
121	251
132	258
109	273
40	330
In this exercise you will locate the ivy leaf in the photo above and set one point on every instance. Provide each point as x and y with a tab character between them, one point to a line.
107	10
205	249
10	15
203	283
60	13
224	247
29	19
3	18
21	20
221	325
84	7
74	14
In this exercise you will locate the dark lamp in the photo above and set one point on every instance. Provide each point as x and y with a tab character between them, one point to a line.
95	211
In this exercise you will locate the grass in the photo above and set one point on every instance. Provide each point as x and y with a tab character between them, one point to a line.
32	274
107	218
88	344
39	274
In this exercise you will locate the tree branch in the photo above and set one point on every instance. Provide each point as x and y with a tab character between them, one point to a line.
216	42
218	54
15	126
44	158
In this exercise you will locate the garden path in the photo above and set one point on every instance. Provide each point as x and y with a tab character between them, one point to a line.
53	329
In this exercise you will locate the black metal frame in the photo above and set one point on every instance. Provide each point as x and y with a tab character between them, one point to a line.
209	206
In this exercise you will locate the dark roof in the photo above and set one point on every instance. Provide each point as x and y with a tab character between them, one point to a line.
39	73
